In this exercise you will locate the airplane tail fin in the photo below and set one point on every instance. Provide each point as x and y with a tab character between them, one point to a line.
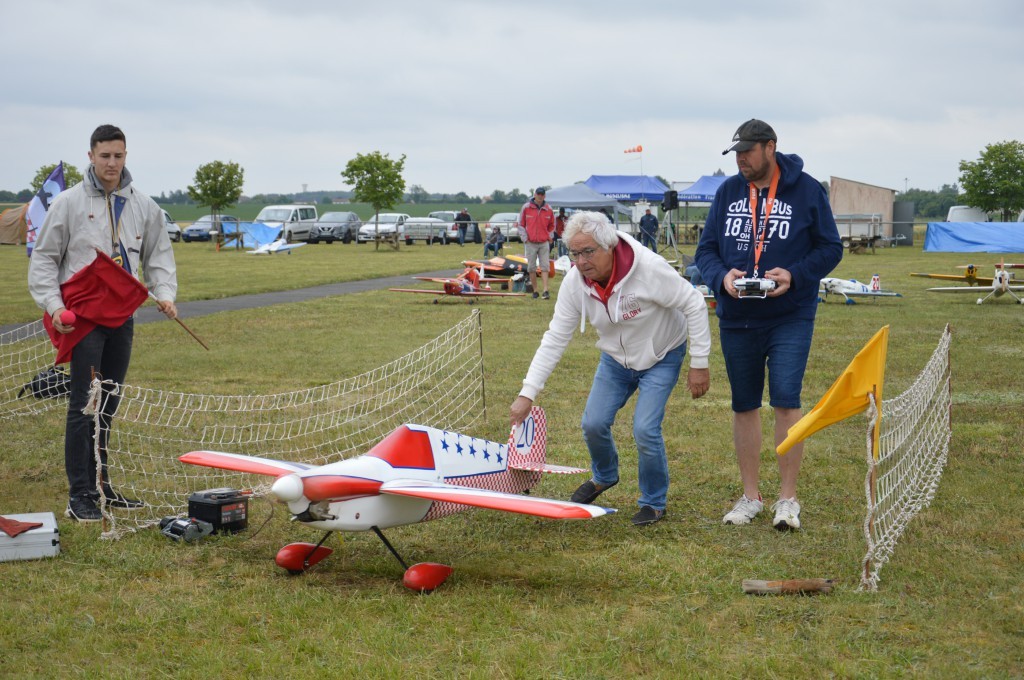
527	448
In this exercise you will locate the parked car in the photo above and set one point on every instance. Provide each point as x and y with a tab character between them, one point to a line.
335	226
294	220
173	230
451	232
428	230
505	221
384	224
201	228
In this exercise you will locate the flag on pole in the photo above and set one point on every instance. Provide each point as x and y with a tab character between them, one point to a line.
40	203
848	395
100	294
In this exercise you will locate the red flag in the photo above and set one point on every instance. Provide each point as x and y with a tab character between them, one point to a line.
101	294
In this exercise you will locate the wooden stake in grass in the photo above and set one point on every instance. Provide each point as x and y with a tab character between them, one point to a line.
796	586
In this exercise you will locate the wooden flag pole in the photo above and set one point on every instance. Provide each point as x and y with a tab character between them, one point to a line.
182	324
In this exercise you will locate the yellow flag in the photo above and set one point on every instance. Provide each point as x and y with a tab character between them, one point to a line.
848	395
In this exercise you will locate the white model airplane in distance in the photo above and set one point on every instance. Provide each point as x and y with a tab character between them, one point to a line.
278	246
852	288
1000	286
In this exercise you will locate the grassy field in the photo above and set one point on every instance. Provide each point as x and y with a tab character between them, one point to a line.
532	598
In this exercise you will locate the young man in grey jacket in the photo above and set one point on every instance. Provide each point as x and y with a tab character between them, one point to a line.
103	212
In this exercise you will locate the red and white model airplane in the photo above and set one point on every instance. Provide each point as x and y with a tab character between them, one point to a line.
469	284
999	286
415	474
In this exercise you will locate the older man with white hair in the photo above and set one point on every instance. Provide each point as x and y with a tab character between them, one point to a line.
644	313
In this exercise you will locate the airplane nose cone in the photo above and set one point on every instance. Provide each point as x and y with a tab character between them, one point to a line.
287	488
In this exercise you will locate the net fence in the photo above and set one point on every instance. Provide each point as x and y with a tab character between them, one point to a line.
913	445
439	384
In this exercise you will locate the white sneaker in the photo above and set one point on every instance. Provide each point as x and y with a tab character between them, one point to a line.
787	514
745	510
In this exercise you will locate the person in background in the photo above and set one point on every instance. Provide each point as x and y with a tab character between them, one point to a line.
462	220
770	221
649	230
494	241
538	220
103	212
560	221
644	314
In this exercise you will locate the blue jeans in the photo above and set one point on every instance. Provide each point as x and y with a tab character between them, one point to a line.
108	351
783	349
612	388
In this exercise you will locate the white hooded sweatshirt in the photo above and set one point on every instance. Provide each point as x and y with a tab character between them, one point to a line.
651	311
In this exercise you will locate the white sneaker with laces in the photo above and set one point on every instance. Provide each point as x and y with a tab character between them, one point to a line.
787	514
745	510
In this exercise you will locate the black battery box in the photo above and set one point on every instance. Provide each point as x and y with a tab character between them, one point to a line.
226	509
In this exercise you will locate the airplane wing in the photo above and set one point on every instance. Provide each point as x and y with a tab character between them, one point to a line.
239	463
487	293
980	280
494	500
418	290
977	290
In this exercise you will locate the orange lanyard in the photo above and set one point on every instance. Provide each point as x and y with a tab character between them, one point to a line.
759	235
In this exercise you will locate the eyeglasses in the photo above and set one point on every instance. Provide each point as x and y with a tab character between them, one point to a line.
584	254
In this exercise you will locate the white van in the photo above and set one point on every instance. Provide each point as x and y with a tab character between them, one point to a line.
295	220
966	213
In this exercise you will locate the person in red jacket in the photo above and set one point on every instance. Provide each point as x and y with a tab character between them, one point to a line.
538	219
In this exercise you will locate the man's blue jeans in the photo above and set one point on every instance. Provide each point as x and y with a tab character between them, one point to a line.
612	388
108	351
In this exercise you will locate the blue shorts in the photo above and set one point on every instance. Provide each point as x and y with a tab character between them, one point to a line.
783	348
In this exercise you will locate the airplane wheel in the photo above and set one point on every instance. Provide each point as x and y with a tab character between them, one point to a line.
435	301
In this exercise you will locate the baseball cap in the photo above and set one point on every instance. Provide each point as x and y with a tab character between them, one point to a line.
749	134
540	190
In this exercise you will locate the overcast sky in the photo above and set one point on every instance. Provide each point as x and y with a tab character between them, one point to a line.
501	95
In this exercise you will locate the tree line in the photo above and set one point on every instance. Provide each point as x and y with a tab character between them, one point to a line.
994	182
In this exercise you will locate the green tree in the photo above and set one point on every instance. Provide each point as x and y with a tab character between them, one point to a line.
71	176
376	179
417	194
995	182
217	185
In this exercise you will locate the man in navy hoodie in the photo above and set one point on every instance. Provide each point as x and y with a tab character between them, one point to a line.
770	222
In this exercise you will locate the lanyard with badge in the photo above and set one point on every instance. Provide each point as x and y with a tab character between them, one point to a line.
114	211
759	235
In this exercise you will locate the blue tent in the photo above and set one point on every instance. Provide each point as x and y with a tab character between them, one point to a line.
628	187
703	190
974	237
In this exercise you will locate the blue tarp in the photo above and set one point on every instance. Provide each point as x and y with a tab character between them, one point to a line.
254	234
974	237
703	190
628	187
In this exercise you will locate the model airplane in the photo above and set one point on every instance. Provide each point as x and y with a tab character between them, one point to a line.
999	286
970	276
507	266
415	474
853	288
278	246
469	284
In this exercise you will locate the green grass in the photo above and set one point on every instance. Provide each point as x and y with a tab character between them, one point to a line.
532	598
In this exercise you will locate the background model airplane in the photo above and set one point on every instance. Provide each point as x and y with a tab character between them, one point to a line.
999	286
278	246
507	266
853	288
469	284
415	474
970	276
